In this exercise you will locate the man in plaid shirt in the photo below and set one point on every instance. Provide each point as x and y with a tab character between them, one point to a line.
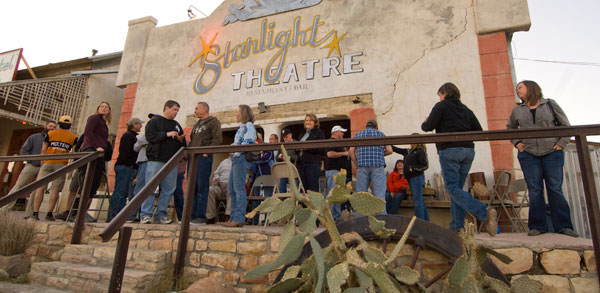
370	162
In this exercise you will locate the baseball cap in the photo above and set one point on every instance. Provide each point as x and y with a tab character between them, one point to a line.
285	132
134	120
65	119
338	128
372	123
151	115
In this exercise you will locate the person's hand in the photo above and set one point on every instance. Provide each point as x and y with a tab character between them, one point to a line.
180	138
205	155
172	134
558	147
521	147
99	149
392	195
425	119
134	181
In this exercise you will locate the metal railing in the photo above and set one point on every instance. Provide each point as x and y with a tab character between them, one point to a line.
580	133
89	158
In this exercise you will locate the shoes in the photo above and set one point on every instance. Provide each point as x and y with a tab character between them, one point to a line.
165	221
569	232
90	219
62	216
534	232
211	221
32	217
232	224
49	218
198	221
146	220
492	222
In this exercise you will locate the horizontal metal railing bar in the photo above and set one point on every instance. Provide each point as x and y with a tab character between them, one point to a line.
563	131
23	191
43	157
117	222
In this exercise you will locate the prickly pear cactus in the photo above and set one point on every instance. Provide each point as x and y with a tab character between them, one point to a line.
349	263
466	274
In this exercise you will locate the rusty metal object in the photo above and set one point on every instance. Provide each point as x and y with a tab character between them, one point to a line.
120	261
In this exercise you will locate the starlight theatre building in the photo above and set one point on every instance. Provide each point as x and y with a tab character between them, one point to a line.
345	61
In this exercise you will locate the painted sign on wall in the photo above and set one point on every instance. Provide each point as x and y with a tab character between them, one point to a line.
212	60
9	63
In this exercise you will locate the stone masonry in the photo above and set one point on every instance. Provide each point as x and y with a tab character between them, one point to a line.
214	251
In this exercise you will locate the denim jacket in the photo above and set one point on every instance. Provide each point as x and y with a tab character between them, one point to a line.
246	134
521	118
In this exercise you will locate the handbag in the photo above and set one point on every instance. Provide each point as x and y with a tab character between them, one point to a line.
555	121
253	156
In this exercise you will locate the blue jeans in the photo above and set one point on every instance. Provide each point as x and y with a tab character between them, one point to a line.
416	189
167	188
123	180
178	195
456	163
141	182
309	175
202	187
236	188
336	209
282	187
546	169
393	204
374	175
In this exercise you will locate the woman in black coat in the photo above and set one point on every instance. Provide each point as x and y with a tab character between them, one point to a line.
415	163
309	160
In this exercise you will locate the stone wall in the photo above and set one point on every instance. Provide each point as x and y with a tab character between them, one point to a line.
214	251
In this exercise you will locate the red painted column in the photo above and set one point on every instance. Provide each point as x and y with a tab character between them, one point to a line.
126	113
499	94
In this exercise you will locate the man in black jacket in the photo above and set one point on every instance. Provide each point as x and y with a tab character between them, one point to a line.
125	167
165	137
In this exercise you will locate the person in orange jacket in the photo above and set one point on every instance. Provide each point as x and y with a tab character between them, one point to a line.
397	185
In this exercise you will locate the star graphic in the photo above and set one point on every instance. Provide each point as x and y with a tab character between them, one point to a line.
206	49
334	44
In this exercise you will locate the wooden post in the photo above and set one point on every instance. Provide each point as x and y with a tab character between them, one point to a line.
28	68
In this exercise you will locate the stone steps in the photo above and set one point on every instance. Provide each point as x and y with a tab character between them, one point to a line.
90	278
88	268
150	260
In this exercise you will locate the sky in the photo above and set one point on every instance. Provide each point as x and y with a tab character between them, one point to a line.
561	30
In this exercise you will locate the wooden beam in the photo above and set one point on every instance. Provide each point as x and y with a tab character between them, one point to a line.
28	68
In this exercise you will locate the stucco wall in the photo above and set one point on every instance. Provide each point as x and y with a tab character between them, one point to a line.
406	50
101	88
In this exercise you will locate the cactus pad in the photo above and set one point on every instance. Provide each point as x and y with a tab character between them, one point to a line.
406	275
366	204
378	227
459	273
339	194
282	210
286	286
337	276
527	285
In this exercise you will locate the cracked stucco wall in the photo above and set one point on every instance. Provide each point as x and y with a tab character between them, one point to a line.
409	49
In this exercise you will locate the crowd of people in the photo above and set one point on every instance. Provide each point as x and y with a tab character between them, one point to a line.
143	154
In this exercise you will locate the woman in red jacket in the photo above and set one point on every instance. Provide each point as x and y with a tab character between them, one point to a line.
397	186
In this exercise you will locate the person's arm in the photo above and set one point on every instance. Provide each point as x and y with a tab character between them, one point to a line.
140	143
44	147
27	147
513	124
388	150
333	154
475	125
352	152
154	134
217	134
250	136
564	121
389	183
400	151
432	121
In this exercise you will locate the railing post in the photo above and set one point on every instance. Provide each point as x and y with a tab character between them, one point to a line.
590	192
120	261
185	221
82	209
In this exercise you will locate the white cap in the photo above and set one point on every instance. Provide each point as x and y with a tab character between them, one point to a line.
338	128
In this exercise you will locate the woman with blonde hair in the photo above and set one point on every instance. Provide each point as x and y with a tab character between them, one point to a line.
309	160
542	159
246	134
415	163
